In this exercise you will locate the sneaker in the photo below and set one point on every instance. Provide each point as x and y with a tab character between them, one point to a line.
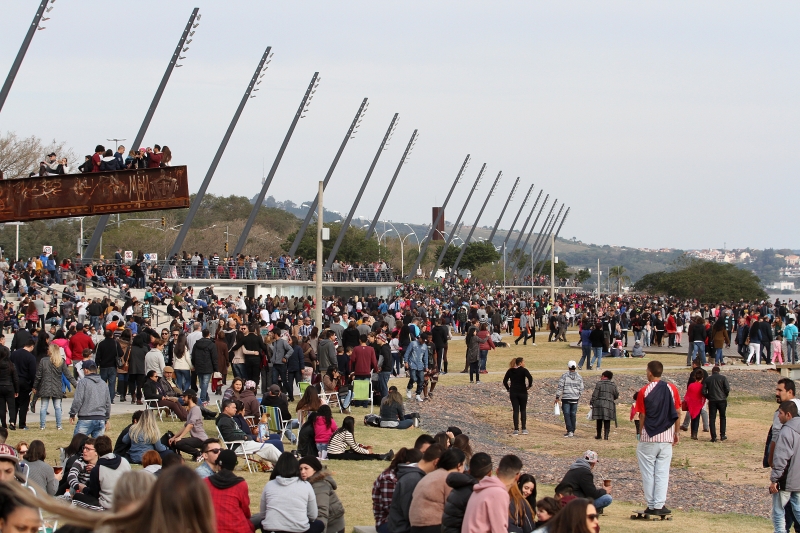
471	382
533	344
41	428
515	433
484	371
419	398
566	434
723	438
430	395
524	431
663	511
478	382
649	511
59	428
571	434
409	394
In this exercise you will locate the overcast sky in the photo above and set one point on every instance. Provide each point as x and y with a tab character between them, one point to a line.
662	124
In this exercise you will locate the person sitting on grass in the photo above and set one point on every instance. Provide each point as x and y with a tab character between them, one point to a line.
287	502
151	462
393	414
580	478
546	508
330	510
230	496
324	428
344	446
81	468
40	472
308	403
142	437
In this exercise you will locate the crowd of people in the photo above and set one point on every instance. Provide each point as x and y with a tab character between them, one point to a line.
106	160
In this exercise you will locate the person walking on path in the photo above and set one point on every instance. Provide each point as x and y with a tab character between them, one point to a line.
473	355
790	335
91	404
694	399
525	328
47	384
785	474
716	390
658	404
416	359
586	344
598	340
603	404
521	382
704	411
486	345
570	388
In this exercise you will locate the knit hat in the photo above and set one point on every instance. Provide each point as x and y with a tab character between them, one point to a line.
590	456
311	461
250	384
227	459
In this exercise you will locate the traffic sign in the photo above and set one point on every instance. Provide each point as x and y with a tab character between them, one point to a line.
47	250
151	257
128	255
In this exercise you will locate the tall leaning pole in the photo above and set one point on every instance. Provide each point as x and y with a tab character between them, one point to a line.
439	215
452	236
550	241
477	220
533	229
349	135
304	103
411	142
176	55
503	211
26	42
198	199
349	218
516	218
527	220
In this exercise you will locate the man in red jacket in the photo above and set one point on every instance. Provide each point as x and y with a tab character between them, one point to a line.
79	342
362	362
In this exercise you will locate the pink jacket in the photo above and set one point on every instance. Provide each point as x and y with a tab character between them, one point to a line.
64	343
487	510
323	433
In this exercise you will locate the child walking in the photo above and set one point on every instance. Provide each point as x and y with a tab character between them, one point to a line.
777	349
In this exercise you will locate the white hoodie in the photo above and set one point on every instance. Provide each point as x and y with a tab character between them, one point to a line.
288	504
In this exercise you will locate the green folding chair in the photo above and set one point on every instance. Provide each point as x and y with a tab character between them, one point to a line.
362	392
303	386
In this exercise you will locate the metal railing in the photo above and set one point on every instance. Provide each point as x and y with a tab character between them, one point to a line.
157	316
271	271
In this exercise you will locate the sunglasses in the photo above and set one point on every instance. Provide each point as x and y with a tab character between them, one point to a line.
592	517
164	334
217	450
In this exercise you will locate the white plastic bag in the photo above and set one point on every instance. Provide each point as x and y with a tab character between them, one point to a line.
589	414
556	409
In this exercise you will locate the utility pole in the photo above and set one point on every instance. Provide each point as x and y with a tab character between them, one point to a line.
553	268
198	199
26	42
439	215
346	222
318	264
546	240
458	220
516	218
176	55
349	135
477	219
503	211
598	277
312	88
411	142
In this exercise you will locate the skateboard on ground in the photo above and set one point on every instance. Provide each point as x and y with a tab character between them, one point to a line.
640	515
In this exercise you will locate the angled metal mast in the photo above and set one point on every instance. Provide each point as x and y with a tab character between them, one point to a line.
516	218
503	212
411	142
313	207
477	219
312	88
26	42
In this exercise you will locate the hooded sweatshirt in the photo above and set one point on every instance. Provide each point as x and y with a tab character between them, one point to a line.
407	478
456	505
288	504
329	507
570	386
487	510
326	353
231	502
430	494
91	401
580	478
104	477
785	471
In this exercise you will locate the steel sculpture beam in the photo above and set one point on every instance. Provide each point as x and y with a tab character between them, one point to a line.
503	211
477	219
103	221
407	151
547	242
26	42
198	199
458	220
516	218
265	186
550	243
440	214
346	223
313	207
525	226
533	228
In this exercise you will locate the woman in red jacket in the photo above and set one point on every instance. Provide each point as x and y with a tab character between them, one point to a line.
486	345
671	327
229	496
695	400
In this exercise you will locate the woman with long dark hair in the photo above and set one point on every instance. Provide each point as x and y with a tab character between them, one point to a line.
343	445
123	382
720	339
473	354
181	360
578	516
9	388
136	367
518	381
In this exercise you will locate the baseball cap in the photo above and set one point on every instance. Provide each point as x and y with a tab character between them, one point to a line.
227	459
572	364
7	453
274	389
89	364
590	456
169	369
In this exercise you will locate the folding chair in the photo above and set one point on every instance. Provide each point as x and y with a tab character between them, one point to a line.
303	385
238	448
330	398
152	405
362	392
275	421
219	405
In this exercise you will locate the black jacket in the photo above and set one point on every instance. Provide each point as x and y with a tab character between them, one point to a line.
305	440
386	352
580	478
521	380
205	356
407	478
107	352
456	504
25	362
716	388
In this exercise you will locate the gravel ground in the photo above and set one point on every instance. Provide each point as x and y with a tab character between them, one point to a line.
686	490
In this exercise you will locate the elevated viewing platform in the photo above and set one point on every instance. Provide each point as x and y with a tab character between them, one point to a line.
290	287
